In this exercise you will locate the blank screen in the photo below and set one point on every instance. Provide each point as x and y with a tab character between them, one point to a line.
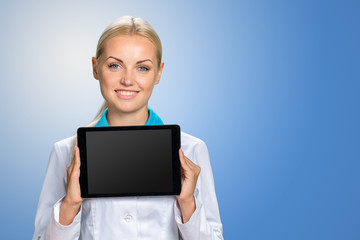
129	161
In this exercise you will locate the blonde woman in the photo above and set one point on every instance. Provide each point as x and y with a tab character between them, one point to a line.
128	65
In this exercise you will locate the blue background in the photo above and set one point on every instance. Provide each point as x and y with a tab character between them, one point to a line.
272	87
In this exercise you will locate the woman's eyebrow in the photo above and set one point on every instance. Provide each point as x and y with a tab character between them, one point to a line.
141	61
117	59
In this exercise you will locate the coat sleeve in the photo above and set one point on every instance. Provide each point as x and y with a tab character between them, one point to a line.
205	222
47	224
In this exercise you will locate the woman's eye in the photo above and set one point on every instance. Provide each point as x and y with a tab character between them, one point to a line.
114	66
143	69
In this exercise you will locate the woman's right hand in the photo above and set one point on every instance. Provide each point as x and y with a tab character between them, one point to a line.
71	203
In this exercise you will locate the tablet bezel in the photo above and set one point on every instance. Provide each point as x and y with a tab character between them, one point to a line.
176	166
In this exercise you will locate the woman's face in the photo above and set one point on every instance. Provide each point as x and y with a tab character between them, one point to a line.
127	71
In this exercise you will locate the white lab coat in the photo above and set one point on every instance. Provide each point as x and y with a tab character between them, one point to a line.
152	218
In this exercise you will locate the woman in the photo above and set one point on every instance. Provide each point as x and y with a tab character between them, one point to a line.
128	66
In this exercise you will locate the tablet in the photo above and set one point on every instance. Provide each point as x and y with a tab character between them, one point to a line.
129	161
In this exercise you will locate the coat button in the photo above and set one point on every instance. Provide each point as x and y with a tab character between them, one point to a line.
128	218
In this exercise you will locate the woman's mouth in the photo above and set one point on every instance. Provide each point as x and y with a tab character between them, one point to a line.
126	94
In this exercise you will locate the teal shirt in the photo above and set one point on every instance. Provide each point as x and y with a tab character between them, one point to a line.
153	119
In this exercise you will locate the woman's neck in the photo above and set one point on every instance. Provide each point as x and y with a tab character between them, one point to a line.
116	118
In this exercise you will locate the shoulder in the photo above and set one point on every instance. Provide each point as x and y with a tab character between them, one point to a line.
193	147
188	139
65	144
63	148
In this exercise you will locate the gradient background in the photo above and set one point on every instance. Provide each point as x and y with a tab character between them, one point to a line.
272	87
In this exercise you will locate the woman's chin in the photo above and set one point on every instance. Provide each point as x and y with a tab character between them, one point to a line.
128	108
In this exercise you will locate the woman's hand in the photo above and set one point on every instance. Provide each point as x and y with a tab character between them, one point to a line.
71	203
190	172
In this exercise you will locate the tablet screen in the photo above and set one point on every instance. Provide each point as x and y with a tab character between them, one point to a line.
129	161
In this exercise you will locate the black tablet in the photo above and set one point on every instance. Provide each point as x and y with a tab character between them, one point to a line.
129	161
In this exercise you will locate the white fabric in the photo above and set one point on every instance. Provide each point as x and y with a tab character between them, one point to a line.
128	217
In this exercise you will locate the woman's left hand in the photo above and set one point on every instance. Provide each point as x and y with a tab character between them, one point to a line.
190	173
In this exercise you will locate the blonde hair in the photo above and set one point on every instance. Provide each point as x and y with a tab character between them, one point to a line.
129	26
123	26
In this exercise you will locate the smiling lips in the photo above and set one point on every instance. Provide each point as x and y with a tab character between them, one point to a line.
126	94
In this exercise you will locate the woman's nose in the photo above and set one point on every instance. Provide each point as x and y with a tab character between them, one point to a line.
127	79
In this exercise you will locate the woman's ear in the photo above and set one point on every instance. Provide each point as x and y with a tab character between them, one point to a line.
95	73
158	76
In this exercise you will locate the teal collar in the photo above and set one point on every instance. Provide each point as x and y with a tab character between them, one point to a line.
153	119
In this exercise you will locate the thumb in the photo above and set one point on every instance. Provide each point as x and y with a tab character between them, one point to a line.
182	159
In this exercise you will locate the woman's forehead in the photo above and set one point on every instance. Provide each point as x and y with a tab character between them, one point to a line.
135	45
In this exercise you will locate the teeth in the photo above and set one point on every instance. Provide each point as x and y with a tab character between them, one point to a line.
126	93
